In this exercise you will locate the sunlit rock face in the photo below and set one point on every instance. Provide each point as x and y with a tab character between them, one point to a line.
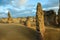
28	22
16	20
59	16
40	20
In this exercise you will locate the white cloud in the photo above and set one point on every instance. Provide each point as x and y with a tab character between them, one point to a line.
19	2
2	9
28	11
5	8
22	2
53	8
3	15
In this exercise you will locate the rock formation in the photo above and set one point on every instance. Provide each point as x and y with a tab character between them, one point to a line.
40	20
50	17
28	23
59	16
9	18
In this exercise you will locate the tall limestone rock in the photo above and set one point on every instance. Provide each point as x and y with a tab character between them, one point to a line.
28	23
9	18
59	16
40	20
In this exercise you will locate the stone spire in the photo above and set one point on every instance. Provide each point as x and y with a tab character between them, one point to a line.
9	18
28	23
40	20
59	16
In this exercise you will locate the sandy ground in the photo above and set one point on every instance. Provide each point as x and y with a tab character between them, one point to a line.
16	32
52	33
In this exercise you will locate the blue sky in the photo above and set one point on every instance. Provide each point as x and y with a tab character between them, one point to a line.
23	8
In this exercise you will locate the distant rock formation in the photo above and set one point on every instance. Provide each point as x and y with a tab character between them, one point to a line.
59	16
9	18
40	20
28	23
50	17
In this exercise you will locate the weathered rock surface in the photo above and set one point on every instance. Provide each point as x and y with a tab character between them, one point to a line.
59	16
40	20
28	22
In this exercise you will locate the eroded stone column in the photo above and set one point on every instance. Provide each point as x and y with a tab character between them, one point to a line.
40	20
9	18
28	23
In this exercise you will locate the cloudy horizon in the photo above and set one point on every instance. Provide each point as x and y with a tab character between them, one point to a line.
23	8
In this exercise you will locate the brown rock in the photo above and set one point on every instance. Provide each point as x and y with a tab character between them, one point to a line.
59	16
50	17
9	18
40	20
28	23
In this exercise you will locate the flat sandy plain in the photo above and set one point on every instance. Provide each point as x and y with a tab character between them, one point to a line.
18	32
